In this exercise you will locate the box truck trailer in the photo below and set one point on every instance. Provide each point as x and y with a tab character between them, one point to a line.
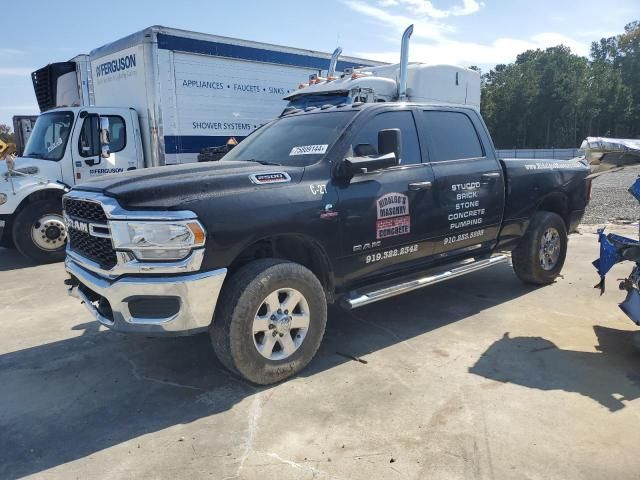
154	98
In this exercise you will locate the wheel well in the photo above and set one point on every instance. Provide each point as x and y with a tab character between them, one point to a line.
40	195
556	203
294	248
34	197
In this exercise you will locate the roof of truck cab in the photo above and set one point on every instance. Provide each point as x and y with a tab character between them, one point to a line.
215	45
361	106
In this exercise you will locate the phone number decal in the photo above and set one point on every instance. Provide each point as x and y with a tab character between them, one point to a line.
463	236
396	252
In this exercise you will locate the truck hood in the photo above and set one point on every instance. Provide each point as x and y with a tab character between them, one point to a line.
175	186
30	175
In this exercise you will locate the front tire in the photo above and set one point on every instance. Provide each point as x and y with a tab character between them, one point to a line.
540	255
270	320
39	232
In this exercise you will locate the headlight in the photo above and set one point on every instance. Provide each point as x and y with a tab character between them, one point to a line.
3	198
158	240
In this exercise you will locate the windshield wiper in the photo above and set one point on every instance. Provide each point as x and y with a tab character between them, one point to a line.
34	155
261	162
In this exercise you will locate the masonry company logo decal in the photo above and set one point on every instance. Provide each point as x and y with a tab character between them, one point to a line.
393	216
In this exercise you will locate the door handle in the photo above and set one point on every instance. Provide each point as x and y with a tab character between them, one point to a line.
490	176
414	187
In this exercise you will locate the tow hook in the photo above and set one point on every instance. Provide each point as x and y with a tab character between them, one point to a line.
73	285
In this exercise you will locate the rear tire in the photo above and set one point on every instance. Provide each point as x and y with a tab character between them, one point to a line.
540	255
255	335
39	232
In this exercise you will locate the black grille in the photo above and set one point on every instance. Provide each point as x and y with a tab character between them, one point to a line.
96	249
82	210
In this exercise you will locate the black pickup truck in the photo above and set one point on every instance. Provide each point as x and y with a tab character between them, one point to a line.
346	204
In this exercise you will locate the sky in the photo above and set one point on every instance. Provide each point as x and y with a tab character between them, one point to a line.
461	32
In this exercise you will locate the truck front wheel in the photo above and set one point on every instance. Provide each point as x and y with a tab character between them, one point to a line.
270	320
540	255
39	232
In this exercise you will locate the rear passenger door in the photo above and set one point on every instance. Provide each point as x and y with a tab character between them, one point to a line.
469	183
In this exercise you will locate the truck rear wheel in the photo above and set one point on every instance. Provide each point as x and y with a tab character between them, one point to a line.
39	232
540	255
270	320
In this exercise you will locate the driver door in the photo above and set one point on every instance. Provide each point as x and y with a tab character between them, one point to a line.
88	161
384	215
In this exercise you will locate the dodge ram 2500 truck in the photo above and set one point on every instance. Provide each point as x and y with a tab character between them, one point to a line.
347	204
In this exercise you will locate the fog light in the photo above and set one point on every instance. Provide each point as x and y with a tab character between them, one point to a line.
3	198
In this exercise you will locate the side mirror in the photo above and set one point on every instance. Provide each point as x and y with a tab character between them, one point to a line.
390	141
355	165
366	159
105	139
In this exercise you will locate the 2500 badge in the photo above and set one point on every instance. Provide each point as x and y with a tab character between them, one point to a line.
396	252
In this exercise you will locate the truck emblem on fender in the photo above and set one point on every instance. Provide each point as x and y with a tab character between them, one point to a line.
264	178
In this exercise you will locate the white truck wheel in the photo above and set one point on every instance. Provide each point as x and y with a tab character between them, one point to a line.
39	232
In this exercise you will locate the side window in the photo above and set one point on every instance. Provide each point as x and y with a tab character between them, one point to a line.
117	134
451	136
89	141
402	120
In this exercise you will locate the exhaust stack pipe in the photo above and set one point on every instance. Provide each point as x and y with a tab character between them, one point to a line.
404	64
334	62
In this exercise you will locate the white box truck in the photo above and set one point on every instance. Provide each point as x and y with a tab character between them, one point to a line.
154	98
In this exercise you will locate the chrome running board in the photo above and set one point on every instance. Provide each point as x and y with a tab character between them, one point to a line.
361	299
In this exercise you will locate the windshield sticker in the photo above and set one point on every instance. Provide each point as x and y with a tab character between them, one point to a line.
265	178
308	150
393	217
55	145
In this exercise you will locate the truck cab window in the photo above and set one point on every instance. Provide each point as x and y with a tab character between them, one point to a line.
299	140
89	141
366	141
451	136
48	139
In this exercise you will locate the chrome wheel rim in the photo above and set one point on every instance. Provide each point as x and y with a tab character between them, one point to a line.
49	232
550	247
281	324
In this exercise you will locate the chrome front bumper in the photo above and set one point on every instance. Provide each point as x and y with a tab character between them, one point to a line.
197	294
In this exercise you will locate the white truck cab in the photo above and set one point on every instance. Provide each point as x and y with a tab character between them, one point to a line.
66	146
404	81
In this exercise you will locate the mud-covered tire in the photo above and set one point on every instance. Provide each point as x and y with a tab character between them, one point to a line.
531	261
27	220
244	294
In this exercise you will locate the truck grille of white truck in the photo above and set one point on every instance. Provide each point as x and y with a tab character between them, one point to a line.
97	249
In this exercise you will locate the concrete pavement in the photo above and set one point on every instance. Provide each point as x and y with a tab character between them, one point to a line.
479	377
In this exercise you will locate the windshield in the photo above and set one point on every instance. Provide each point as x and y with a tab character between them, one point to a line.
48	139
318	100
298	140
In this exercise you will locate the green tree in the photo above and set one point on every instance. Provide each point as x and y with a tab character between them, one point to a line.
554	98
